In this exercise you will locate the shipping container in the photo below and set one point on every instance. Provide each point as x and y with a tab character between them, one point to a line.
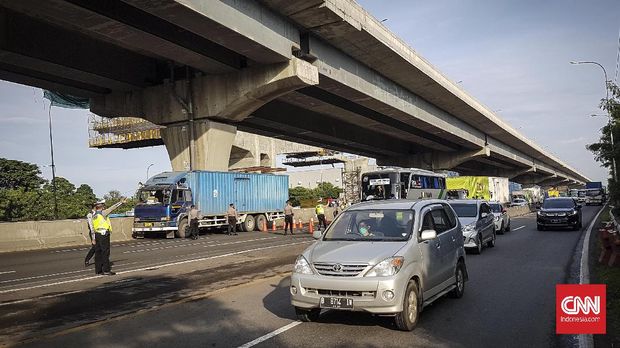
165	200
594	185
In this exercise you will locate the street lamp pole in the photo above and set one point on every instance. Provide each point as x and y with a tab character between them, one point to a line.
49	116
147	170
610	122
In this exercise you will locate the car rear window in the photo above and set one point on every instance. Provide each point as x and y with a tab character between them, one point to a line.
496	208
465	209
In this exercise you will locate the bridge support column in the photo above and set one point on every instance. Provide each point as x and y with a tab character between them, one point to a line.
211	149
189	107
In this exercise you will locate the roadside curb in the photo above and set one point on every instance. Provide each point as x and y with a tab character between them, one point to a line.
587	340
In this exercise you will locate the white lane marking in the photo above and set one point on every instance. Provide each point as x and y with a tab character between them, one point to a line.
270	335
584	269
7	272
210	244
56	274
154	266
518	228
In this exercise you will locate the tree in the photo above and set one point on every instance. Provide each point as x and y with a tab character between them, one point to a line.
327	190
114	197
17	174
604	151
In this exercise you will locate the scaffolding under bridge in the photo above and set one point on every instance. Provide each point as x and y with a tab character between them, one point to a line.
122	132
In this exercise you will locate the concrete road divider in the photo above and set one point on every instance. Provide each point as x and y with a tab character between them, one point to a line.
31	235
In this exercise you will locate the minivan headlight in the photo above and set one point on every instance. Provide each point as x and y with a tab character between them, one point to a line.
302	266
387	267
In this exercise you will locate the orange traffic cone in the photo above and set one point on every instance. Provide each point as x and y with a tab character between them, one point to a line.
273	225
297	225
311	226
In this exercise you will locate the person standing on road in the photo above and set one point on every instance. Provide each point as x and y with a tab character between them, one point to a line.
231	216
194	215
336	212
320	214
103	228
288	217
91	234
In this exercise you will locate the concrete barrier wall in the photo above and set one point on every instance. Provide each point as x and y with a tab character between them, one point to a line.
29	235
518	211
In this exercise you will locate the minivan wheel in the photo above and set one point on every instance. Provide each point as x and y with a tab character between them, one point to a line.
491	243
307	315
508	227
459	290
408	318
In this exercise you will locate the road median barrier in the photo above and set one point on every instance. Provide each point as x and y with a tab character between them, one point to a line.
33	235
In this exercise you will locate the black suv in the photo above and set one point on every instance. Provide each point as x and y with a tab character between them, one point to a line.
559	212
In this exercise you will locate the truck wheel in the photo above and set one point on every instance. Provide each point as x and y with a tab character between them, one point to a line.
249	224
259	221
408	318
183	229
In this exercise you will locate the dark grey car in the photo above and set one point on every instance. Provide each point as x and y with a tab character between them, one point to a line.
385	257
477	223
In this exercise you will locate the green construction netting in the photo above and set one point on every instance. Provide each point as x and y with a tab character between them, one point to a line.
65	100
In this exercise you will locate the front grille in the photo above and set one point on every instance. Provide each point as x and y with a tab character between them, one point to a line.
342	293
339	269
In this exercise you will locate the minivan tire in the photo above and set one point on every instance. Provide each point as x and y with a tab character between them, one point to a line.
459	275
408	318
501	229
307	315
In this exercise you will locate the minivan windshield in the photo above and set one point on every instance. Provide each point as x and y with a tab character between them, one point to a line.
465	209
559	204
371	225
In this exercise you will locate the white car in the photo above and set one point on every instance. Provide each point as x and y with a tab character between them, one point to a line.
518	202
502	219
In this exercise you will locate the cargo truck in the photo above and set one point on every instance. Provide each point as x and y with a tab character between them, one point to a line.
165	200
482	187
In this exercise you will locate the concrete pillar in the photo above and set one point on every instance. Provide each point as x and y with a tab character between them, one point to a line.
212	145
190	106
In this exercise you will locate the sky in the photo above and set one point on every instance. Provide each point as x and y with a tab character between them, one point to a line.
512	56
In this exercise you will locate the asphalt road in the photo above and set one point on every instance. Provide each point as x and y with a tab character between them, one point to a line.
509	299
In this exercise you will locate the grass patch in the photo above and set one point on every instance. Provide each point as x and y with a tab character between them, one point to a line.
602	274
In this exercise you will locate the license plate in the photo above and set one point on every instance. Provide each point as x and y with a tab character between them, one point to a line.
148	224
336	302
555	221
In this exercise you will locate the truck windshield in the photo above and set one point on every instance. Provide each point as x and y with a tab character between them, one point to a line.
593	193
372	225
377	186
154	196
465	209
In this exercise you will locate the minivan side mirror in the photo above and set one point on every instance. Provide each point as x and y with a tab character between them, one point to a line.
317	234
428	235
483	215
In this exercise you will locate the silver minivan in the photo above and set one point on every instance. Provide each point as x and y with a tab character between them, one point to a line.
478	223
389	257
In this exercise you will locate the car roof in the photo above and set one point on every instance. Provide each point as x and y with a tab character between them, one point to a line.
401	204
468	201
558	198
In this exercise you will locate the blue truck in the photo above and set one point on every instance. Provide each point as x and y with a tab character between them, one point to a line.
165	200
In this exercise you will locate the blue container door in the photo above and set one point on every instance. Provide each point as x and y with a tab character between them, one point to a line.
242	188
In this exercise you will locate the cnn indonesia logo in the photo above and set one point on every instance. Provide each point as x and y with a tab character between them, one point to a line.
580	309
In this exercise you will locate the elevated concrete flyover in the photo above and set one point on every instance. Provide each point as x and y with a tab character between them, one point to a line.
320	72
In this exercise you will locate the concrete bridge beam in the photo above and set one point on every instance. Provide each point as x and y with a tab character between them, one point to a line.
188	109
436	160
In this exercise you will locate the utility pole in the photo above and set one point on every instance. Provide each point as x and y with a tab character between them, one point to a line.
49	116
611	122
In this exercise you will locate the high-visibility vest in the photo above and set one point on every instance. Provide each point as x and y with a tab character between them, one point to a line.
102	224
320	210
